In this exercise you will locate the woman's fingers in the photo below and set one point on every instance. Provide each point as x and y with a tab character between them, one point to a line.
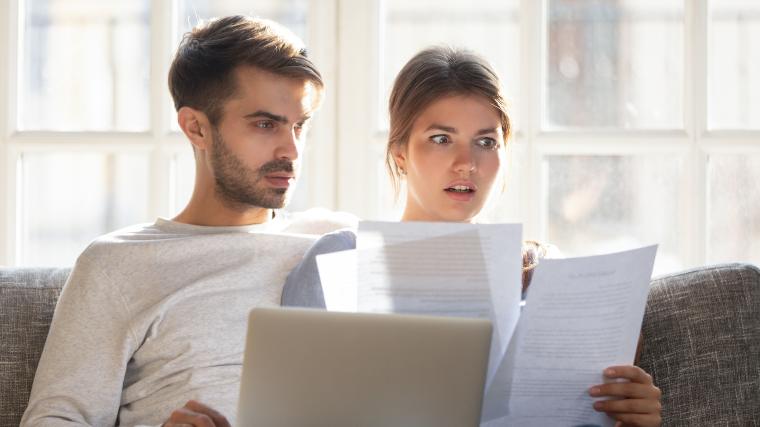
626	390
630	372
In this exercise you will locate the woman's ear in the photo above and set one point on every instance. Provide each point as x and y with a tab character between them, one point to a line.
195	126
399	157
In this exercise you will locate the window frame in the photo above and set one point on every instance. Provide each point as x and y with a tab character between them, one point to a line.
160	141
345	143
694	143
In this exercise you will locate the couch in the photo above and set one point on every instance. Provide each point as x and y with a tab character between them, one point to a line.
701	341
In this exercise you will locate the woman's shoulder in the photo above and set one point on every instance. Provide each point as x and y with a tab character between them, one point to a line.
339	240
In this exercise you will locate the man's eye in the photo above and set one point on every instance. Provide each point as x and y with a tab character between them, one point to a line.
488	143
265	124
440	139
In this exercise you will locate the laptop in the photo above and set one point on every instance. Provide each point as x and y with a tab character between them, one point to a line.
307	367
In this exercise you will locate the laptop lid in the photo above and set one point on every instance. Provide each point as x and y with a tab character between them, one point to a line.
317	368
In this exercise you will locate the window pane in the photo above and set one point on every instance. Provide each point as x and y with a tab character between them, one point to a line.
490	29
68	199
734	209
291	13
615	64
599	204
735	64
183	179
85	65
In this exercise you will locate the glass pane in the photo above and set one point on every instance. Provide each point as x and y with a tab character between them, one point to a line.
85	65
734	209
290	13
735	64
491	29
599	204
68	199
615	64
183	180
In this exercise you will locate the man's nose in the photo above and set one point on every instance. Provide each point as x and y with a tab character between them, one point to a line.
289	147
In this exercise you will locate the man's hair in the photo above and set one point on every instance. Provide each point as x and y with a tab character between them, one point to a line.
201	75
430	75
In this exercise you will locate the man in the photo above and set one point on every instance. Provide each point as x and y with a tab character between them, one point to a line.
153	317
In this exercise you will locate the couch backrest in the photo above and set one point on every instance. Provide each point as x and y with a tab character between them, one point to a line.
701	341
702	345
27	300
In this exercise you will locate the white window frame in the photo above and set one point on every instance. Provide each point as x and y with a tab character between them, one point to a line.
159	141
360	42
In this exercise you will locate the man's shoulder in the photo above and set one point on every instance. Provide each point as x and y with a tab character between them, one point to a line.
320	221
119	242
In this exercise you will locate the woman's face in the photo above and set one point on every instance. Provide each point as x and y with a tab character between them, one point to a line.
451	160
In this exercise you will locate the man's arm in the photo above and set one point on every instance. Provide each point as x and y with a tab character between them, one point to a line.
81	372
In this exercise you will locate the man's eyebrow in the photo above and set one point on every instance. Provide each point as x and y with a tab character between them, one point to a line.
436	126
268	115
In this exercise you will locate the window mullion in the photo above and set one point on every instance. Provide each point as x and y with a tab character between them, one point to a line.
532	42
9	40
694	237
161	31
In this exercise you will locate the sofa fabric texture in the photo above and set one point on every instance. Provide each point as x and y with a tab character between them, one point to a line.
27	300
701	335
701	341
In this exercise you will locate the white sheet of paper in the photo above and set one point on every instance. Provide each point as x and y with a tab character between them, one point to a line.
448	269
581	316
442	268
338	274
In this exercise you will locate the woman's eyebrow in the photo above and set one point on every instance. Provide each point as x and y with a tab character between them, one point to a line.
436	126
486	131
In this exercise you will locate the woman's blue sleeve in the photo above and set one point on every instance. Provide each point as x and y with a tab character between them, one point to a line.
303	287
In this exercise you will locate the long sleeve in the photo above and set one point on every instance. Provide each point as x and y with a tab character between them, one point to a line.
81	372
303	287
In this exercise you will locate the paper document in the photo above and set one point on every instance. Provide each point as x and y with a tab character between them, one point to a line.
439	268
338	274
581	316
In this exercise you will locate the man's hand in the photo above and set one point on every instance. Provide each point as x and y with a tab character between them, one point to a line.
638	402
196	414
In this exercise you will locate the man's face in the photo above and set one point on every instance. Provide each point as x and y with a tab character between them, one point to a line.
257	144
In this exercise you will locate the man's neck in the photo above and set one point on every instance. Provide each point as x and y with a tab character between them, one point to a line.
216	214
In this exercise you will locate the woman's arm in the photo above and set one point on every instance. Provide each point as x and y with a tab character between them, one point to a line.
302	287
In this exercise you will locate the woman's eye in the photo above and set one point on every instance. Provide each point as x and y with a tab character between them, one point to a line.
440	139
488	143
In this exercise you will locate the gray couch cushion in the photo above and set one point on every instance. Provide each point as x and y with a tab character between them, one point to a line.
702	345
27	301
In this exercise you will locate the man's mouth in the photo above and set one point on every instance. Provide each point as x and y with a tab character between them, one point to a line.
280	181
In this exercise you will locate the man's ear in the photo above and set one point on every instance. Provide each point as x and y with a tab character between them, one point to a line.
196	126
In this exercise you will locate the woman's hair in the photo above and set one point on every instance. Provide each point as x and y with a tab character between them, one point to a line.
201	75
432	74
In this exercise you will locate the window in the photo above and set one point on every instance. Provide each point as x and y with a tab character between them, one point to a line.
89	144
637	121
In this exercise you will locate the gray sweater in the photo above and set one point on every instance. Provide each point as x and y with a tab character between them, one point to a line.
155	315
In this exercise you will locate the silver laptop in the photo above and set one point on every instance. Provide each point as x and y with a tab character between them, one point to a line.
318	368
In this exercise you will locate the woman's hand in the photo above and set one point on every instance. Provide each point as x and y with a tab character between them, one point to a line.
635	402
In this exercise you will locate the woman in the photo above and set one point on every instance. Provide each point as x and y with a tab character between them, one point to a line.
448	127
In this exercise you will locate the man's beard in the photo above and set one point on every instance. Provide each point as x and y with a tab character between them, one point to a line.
242	187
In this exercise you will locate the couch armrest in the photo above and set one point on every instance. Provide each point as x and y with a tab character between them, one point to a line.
701	336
